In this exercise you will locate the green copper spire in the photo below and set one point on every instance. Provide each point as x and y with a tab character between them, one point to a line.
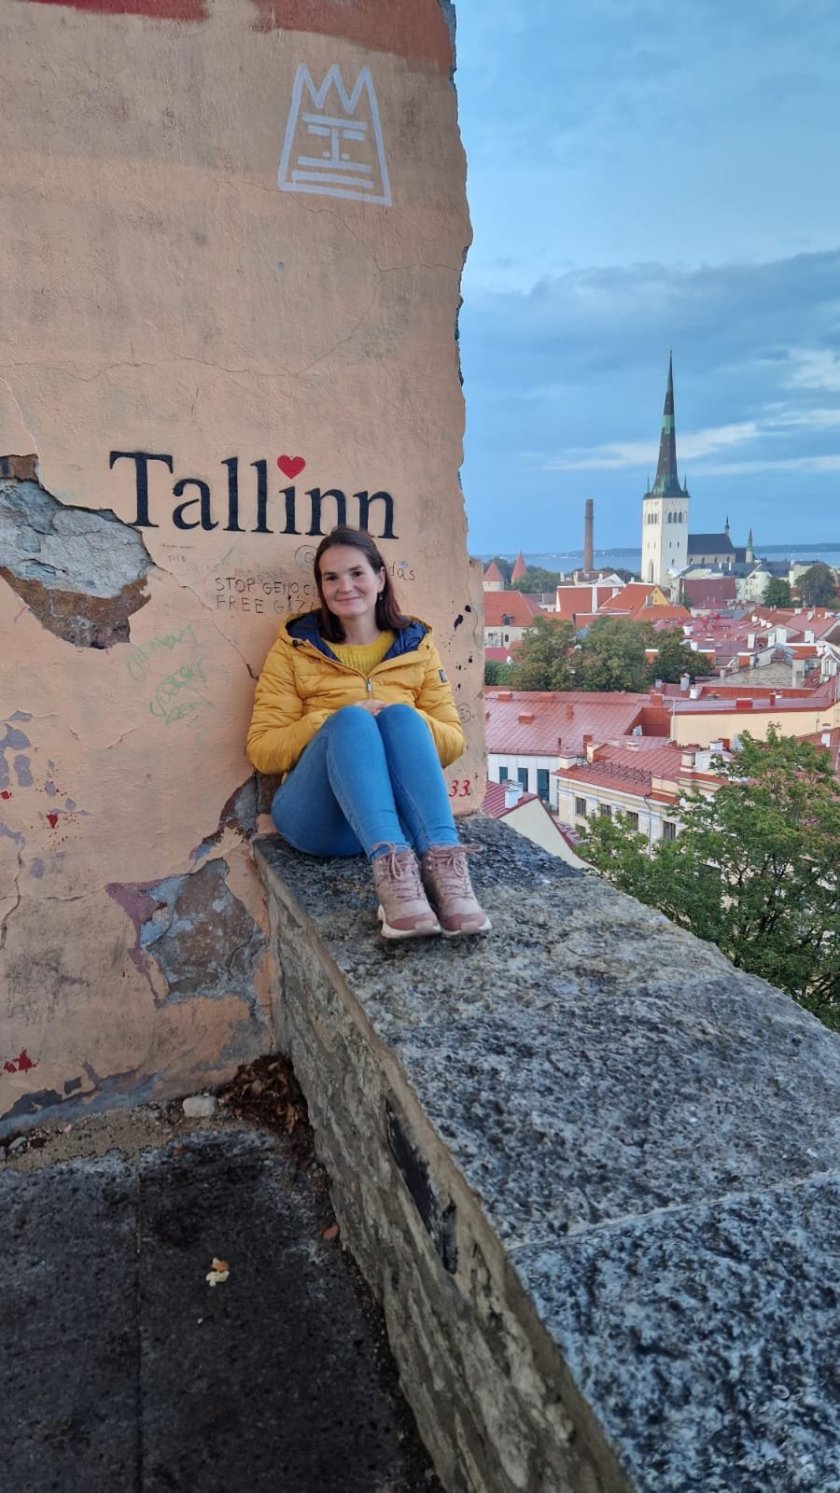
667	483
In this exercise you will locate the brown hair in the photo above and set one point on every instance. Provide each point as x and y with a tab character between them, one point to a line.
388	614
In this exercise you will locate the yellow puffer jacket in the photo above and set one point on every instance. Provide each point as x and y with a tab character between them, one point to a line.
302	683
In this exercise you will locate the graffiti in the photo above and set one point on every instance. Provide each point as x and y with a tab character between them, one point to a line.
169	702
179	694
138	662
285	507
333	143
260	594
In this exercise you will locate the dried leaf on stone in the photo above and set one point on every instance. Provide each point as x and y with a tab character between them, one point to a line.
331	1232
267	1093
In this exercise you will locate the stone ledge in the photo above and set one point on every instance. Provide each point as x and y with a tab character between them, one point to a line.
592	1171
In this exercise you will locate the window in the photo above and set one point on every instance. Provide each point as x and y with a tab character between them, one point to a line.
542	783
669	830
580	808
503	773
522	774
633	820
605	811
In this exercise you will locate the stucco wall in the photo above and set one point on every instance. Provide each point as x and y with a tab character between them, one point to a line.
219	327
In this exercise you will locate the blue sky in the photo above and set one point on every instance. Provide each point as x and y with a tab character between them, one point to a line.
646	175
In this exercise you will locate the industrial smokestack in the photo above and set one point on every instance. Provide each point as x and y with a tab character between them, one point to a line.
588	546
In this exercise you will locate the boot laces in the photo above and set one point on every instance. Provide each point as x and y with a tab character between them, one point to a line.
402	870
452	861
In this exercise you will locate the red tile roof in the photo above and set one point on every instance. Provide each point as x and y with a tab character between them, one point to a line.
632	770
493	803
572	600
493	573
543	724
520	568
508	608
709	591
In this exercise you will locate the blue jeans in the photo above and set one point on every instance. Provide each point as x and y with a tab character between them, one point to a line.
366	781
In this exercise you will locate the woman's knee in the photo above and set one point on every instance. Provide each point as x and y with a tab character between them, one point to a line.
350	721
400	717
402	723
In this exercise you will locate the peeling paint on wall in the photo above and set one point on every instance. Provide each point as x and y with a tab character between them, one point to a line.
82	574
200	939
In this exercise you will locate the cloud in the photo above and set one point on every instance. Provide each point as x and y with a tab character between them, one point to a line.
815	369
635	454
789	464
696	445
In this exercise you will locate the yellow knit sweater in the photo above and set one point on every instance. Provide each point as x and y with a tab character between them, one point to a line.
365	657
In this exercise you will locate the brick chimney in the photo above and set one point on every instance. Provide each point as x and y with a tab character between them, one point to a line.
588	532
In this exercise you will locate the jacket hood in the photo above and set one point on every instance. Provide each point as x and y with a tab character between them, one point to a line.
302	627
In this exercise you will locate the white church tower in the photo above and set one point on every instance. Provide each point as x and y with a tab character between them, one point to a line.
665	507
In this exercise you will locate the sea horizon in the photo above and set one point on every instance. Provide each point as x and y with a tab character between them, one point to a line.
630	557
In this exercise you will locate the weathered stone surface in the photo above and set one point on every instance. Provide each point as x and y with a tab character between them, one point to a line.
123	1370
706	1337
640	1144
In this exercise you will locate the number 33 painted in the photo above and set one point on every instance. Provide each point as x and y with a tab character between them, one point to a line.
460	788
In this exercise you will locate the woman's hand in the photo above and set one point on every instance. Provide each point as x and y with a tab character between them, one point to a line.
372	707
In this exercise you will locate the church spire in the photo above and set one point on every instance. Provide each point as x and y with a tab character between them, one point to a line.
667	483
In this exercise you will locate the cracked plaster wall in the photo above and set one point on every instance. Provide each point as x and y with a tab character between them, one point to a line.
266	350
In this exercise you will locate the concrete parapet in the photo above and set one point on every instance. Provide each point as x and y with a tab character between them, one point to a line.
592	1172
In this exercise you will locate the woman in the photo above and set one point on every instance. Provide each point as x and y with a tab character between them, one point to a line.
354	707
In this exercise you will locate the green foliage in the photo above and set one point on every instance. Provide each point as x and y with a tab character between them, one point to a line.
610	657
537	579
777	592
498	673
755	868
546	657
675	658
816	586
613	655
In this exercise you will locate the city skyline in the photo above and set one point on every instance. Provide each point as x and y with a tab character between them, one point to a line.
645	178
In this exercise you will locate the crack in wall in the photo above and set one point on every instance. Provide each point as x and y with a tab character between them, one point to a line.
7	917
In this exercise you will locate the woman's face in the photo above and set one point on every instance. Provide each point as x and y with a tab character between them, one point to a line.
349	584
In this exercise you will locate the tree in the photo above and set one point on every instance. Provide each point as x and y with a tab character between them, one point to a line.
754	869
497	673
545	659
777	592
675	658
537	579
817	587
613	655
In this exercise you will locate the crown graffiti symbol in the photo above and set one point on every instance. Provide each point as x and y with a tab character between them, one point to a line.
333	143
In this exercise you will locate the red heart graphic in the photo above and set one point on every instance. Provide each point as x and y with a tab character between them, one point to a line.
291	465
